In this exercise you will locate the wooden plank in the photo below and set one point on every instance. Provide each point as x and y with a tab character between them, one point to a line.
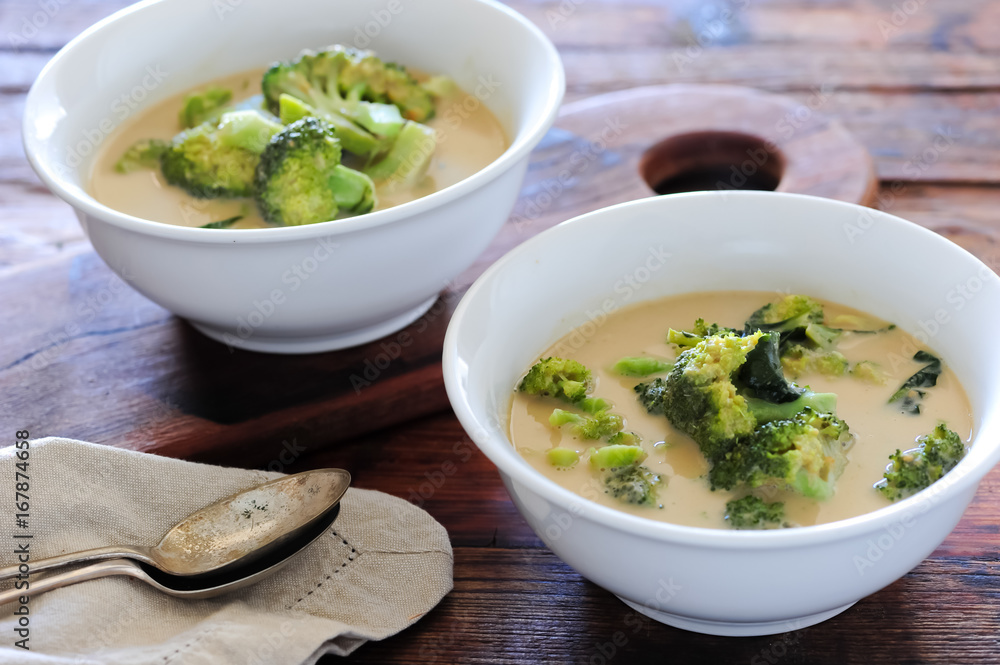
524	606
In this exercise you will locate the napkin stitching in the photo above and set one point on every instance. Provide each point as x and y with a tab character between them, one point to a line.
170	656
352	556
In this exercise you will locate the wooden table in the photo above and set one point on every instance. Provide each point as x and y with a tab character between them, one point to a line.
918	82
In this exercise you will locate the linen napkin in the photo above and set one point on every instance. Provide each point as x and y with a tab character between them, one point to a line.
378	569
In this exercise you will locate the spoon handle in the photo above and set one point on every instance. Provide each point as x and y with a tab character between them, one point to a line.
96	554
92	571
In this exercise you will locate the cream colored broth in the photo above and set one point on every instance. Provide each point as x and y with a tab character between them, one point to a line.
686	498
469	138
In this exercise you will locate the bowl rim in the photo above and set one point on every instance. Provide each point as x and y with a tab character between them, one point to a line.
964	476
525	139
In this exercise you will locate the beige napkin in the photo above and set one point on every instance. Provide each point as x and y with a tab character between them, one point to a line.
382	566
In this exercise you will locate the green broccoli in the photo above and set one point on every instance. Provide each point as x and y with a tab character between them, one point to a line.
699	396
143	154
300	179
806	454
797	360
564	458
601	425
868	371
563	379
796	318
641	366
408	158
625	439
700	331
353	90
652	395
218	158
765	411
354	139
199	107
912	470
751	512
790	313
623	475
369	78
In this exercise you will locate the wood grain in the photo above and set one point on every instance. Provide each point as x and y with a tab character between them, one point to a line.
82	355
515	602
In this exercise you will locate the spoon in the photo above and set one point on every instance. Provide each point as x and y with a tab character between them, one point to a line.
229	535
191	586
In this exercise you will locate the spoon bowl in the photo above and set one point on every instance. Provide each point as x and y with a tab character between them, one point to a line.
232	533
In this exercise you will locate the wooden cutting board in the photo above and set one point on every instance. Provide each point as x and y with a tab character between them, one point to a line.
91	359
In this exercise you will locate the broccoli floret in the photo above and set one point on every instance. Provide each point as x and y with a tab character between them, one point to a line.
625	439
563	379
199	107
300	179
624	476
440	86
699	396
796	318
641	366
868	371
700	331
752	512
790	313
797	360
652	395
912	470
143	154
218	158
601	425
371	79
408	158
354	91
806	453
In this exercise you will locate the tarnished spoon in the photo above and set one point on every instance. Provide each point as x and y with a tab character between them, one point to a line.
239	536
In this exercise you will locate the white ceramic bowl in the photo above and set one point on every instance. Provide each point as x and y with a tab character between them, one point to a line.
720	581
297	289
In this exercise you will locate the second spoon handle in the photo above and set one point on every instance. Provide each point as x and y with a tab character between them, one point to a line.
93	571
96	554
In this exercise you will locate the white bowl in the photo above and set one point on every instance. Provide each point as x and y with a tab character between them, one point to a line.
719	581
364	277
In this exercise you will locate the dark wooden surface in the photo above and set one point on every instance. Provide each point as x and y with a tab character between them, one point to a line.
80	355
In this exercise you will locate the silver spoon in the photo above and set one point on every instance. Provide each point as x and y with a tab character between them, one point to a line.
184	587
242	535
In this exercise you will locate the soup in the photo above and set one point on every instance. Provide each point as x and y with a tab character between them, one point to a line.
685	496
469	138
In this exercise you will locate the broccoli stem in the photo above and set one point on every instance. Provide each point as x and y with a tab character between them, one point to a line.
246	129
765	411
352	190
353	137
641	366
562	457
408	158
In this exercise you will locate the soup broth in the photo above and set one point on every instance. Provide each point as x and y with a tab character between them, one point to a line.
469	138
686	498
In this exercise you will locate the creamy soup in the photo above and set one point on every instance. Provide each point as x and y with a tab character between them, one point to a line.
685	495
469	138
